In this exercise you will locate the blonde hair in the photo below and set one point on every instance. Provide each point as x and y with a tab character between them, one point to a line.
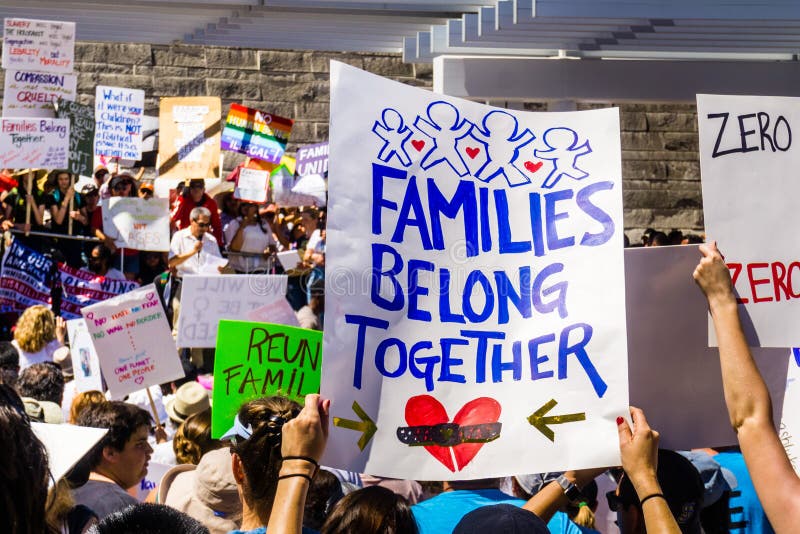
584	517
193	438
83	401
36	327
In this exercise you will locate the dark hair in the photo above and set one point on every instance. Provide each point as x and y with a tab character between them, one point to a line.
9	364
659	239
693	239
147	518
323	494
261	453
24	471
258	215
104	253
193	438
120	418
681	485
371	510
42	381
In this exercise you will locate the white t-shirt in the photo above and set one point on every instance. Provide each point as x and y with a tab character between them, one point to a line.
50	352
183	241
115	274
254	240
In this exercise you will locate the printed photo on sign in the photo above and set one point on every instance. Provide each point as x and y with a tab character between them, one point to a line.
33	94
85	364
34	143
189	137
476	324
746	147
133	341
118	122
38	45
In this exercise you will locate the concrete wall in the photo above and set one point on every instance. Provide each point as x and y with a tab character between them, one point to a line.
659	160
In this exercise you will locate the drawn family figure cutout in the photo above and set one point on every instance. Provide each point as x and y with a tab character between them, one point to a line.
563	150
395	135
445	128
503	144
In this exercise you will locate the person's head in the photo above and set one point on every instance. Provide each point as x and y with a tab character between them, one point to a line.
123	453
153	259
193	438
248	210
646	236
197	188
190	398
9	364
91	196
100	175
200	221
675	237
691	239
148	518
230	204
36	327
659	239
501	518
83	401
24	471
682	488
323	494
60	179
146	190
371	510
309	218
582	514
256	449
99	259
122	185
43	382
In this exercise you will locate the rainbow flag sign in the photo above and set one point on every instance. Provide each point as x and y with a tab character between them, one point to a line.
255	133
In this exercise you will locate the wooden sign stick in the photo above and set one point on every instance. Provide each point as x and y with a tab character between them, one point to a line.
71	204
29	189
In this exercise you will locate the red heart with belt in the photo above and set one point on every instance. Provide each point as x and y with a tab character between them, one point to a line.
426	411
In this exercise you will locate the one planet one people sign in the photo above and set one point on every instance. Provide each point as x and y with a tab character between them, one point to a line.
475	301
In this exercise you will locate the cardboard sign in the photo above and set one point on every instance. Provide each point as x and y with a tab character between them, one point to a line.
137	223
38	45
312	159
25	279
205	299
251	185
32	143
85	363
81	135
133	341
674	376
118	122
32	94
746	143
255	133
482	329
789	429
255	360
189	137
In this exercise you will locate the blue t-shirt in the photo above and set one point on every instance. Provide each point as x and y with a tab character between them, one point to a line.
441	514
747	514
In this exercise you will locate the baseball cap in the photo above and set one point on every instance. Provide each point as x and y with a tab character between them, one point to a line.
505	518
88	189
716	479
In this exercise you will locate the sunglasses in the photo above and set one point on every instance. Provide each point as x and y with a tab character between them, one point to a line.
122	185
197	186
202	224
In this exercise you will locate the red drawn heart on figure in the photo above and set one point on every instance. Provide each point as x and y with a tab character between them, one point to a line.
472	152
418	144
533	167
426	410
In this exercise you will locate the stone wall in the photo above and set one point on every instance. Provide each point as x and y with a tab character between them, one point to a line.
659	160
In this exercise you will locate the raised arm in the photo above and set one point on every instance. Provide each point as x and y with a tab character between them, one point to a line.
747	398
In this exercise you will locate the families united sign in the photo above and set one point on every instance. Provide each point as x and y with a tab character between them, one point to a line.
489	337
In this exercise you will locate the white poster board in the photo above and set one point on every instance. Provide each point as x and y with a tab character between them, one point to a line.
674	376
477	312
34	143
205	299
789	430
155	472
118	122
749	206
66	444
133	341
85	364
138	223
38	45
32	94
251	185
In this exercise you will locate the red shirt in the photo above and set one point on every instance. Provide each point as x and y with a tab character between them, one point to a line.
185	205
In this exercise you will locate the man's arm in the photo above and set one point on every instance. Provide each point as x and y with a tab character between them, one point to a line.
747	398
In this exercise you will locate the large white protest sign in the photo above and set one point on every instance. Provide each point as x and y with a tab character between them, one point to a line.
749	206
85	364
28	143
141	224
475	309
251	185
38	45
66	444
789	430
118	122
674	376
133	341
32	94
205	299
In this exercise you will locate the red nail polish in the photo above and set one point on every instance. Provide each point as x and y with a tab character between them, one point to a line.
619	420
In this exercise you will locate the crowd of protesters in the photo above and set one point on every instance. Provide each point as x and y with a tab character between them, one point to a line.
265	471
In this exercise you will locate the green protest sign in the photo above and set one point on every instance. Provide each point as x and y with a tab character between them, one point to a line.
260	359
